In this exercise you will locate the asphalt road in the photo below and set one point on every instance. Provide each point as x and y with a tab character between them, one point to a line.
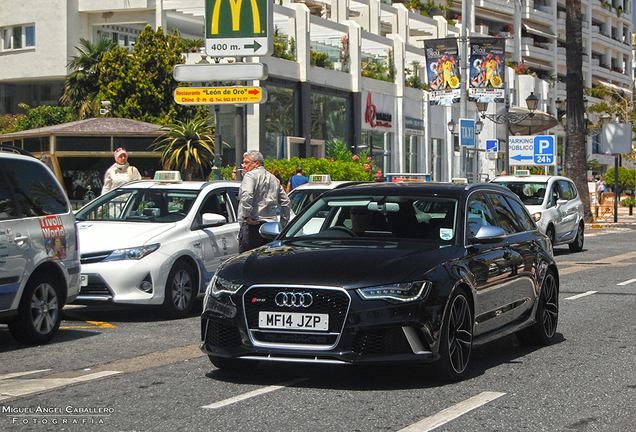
121	369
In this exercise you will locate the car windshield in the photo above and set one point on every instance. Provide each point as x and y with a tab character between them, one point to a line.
379	217
530	192
140	205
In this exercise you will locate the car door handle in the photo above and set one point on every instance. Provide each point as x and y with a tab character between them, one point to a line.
20	238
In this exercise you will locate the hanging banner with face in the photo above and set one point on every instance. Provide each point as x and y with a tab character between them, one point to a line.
442	69
487	69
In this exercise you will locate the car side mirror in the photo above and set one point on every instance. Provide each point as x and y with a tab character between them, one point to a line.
212	220
488	234
270	230
561	202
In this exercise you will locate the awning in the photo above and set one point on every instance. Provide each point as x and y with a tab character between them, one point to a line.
539	30
613	86
539	122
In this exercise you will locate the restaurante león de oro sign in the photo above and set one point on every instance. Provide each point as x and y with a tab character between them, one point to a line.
219	95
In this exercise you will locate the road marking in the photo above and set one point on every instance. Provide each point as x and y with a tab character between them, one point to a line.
12	388
19	374
585	294
627	282
252	394
94	325
615	261
451	413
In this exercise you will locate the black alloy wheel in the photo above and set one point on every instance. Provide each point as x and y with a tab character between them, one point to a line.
547	317
39	313
577	244
457	339
181	291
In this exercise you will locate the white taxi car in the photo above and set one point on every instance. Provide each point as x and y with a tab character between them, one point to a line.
157	242
317	185
555	205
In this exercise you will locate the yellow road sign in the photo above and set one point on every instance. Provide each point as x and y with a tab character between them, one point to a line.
219	95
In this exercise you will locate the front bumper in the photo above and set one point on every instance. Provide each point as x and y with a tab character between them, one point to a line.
359	331
122	281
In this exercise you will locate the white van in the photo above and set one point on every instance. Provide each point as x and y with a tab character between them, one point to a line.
39	257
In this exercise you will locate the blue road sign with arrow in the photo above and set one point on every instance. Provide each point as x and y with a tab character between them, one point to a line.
532	150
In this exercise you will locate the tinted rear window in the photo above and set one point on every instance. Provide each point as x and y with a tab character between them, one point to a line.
35	188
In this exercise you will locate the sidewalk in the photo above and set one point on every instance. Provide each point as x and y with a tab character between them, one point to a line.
624	220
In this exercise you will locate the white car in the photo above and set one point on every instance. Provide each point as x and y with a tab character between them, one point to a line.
155	242
318	184
555	205
39	257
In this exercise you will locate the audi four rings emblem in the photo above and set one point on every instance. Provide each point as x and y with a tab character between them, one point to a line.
293	299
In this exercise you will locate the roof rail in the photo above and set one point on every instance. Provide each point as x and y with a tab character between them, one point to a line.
12	149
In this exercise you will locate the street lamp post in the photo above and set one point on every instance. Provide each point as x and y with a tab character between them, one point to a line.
507	118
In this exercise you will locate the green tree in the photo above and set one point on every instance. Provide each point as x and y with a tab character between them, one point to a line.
140	86
37	117
82	85
187	147
625	179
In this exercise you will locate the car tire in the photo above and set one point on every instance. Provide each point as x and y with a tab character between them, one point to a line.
232	364
551	235
181	292
547	315
577	244
39	312
456	339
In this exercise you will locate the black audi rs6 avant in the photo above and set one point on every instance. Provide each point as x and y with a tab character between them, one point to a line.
386	272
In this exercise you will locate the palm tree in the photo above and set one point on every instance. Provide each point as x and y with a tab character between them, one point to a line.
576	132
82	85
187	147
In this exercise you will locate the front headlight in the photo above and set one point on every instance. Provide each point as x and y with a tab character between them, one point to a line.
135	253
397	293
536	216
219	285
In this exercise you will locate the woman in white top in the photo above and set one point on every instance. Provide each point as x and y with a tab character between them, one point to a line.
121	172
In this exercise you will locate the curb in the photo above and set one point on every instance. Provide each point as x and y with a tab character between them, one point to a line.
596	225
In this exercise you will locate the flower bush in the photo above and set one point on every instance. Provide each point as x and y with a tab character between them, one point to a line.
357	168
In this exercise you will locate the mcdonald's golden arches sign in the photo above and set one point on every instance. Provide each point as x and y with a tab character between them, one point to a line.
238	28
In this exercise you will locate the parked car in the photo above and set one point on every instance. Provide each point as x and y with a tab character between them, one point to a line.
386	272
318	184
157	242
39	257
555	205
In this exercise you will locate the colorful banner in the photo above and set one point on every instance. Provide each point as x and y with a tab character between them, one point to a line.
487	70
442	69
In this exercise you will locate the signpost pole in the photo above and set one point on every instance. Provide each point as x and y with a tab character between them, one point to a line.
217	144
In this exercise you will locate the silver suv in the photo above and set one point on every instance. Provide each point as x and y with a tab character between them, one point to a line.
555	205
39	258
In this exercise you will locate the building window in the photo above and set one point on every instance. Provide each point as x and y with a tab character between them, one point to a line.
18	37
280	120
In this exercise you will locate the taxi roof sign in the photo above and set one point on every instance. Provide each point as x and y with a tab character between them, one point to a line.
320	179
168	176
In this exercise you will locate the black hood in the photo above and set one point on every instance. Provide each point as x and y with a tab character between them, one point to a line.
349	264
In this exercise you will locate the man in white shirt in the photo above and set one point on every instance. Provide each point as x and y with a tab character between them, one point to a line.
259	195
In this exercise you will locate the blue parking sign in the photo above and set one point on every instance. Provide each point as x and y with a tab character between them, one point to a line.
544	150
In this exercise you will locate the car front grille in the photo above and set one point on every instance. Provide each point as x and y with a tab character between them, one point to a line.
95	257
96	288
332	301
383	341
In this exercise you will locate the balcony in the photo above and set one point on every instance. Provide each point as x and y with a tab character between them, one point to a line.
114	5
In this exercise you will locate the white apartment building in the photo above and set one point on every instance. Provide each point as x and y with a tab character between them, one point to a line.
310	105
